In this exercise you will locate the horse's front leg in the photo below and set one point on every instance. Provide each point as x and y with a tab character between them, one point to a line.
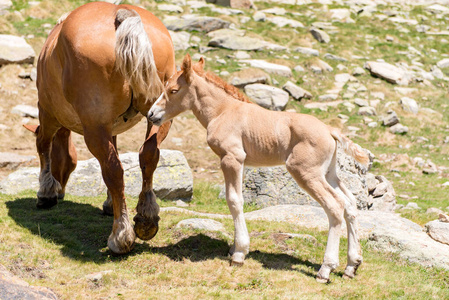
232	168
100	143
147	217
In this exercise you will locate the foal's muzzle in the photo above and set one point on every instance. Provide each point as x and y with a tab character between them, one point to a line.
156	113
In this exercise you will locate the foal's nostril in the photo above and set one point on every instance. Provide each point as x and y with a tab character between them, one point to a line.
150	114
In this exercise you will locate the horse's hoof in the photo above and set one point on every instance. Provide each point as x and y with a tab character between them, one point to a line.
46	203
237	259
122	239
108	210
145	228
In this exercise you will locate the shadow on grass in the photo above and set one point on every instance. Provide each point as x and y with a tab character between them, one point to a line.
83	230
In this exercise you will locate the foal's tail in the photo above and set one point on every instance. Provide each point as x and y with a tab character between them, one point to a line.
134	55
350	147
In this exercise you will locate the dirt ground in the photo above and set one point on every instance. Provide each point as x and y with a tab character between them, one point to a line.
186	134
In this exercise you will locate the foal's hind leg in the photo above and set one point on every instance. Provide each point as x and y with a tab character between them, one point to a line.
233	173
147	217
49	187
333	204
63	158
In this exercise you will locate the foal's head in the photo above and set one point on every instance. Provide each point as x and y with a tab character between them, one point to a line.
176	97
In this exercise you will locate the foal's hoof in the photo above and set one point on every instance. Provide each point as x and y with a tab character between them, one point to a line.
145	228
46	203
322	280
237	259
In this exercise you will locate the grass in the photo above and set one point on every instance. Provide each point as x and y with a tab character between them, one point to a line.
58	248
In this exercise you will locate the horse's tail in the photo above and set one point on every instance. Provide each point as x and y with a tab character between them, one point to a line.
350	147
134	55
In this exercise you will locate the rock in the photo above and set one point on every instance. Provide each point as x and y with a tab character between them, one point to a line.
282	22
371	182
328	97
26	111
358	71
443	218
170	8
307	51
259	16
367	111
444	63
12	287
172	179
321	66
412	206
361	102
298	69
194	23
409	105
400	20
180	40
340	14
242	55
233	3
295	91
15	50
399	129
269	67
181	203
249	76
390	119
439	231
4	6
275	11
12	161
334	57
388	72
323	105
235	40
320	35
201	224
267	96
383	197
434	210
98	276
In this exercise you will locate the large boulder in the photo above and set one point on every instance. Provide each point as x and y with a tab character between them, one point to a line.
172	179
388	72
267	96
195	23
15	50
274	185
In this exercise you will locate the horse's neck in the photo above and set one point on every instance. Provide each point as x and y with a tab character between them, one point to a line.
210	101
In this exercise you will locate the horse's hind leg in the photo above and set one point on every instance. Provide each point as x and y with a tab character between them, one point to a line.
63	158
99	141
147	217
333	204
350	214
49	187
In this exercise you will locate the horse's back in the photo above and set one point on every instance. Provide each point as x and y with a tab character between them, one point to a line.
76	68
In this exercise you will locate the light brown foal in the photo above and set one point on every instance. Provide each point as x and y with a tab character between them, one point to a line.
243	133
99	71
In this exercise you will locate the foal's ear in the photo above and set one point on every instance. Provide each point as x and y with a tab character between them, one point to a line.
201	63
187	67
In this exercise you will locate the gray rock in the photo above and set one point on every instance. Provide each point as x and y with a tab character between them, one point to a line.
307	51
409	105
296	92
242	55
361	102
275	11
388	72
12	161
340	14
97	276
201	224
367	111
12	287
172	179
358	71
269	67
195	23
434	210
170	8
249	76
399	129
26	111
444	63
267	96
233	3
15	50
180	40
235	40
298	69
371	182
334	57
4	6
328	97
259	16
390	119
323	66
320	35
282	22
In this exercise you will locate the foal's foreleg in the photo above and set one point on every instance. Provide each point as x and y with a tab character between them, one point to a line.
107	204
147	217
233	174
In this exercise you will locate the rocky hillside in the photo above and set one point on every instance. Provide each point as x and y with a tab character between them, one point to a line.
379	70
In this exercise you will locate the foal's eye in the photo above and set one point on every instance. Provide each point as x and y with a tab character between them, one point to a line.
173	91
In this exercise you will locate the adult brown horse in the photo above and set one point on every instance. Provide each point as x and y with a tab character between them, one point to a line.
99	72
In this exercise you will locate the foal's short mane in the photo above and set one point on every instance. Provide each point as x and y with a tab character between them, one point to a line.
218	82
